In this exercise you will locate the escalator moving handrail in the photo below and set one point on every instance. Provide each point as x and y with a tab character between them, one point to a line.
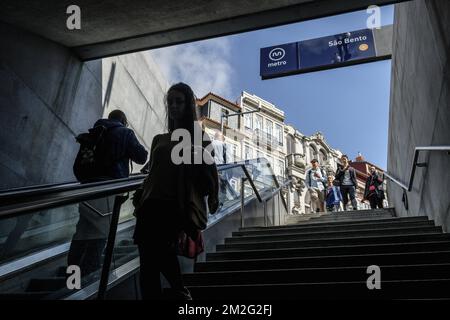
24	193
27	200
74	195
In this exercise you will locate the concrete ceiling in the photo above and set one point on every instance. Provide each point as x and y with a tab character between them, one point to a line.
112	27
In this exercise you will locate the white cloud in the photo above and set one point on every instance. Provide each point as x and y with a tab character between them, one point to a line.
204	65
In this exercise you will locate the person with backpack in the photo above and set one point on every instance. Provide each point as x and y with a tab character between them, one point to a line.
105	153
316	178
175	197
346	177
374	189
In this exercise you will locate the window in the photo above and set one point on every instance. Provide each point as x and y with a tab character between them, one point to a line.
225	114
216	110
279	134
234	152
281	168
270	159
259	123
248	119
247	152
312	152
290	144
269	127
259	154
323	156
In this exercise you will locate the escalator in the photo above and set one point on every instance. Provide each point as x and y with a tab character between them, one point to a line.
40	226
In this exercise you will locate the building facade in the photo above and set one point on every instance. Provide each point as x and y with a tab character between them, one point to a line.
300	150
263	132
218	114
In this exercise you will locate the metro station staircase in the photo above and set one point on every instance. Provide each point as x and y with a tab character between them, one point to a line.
326	256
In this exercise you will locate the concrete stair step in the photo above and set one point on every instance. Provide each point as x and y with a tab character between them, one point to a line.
316	275
334	234
326	257
364	211
350	227
324	261
338	223
318	242
344	216
368	214
404	289
351	249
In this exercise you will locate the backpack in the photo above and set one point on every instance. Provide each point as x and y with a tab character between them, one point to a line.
88	163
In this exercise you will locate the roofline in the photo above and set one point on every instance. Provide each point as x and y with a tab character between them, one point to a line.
211	96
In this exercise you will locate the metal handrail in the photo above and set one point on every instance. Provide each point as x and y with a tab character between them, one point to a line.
415	164
417	150
44	190
30	199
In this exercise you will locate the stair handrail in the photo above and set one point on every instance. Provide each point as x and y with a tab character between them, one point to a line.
408	188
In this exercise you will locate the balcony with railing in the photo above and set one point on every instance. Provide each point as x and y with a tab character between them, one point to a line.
261	137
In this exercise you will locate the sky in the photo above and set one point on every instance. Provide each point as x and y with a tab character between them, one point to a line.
349	105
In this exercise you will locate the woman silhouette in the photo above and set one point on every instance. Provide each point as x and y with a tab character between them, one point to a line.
161	207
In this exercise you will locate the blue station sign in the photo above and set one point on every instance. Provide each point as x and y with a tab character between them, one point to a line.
279	59
317	54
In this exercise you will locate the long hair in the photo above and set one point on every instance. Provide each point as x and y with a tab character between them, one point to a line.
190	113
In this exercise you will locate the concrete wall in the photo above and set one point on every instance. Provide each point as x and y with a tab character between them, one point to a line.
383	40
420	107
48	96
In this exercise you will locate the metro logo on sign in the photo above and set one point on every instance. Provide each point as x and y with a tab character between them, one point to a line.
277	54
279	59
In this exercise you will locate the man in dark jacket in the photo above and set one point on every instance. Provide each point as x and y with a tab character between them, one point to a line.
346	176
118	147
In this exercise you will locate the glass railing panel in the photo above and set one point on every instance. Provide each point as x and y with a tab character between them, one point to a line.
124	248
50	241
229	191
262	176
230	186
25	234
